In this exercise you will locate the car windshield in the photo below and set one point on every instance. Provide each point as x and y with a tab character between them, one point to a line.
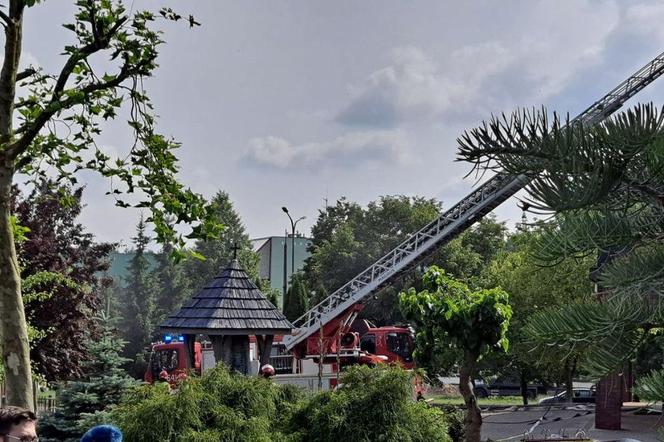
400	344
163	360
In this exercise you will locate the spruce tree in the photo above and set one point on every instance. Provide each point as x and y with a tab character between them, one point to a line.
295	301
174	288
85	402
139	303
218	253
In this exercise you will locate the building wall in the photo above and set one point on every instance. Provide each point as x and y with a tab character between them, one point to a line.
271	252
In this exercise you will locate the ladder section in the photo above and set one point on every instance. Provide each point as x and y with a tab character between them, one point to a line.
451	223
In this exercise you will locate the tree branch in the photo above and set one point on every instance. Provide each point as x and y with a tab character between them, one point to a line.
10	67
55	105
5	18
25	74
82	54
30	132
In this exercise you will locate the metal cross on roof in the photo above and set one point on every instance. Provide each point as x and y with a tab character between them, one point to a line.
235	248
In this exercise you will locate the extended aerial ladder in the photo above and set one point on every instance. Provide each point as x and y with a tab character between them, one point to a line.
451	223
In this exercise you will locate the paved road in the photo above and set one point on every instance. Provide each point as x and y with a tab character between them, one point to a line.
566	421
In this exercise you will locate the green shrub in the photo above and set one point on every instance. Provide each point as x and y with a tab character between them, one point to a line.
217	406
371	405
455	422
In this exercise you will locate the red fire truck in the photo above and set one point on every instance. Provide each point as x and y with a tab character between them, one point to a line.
364	344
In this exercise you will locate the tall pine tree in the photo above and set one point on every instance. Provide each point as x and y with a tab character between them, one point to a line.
139	308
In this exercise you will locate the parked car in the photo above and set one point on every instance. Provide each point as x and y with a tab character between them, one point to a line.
579	396
506	387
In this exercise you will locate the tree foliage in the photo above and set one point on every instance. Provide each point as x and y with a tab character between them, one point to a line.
534	288
60	266
296	299
139	303
347	238
467	256
87	400
463	324
172	282
50	123
217	253
372	404
605	186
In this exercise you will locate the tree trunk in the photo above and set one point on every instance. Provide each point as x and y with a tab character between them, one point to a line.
524	387
570	368
473	419
13	327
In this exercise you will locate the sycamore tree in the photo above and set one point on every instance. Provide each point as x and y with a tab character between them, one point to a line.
347	238
50	122
460	324
604	185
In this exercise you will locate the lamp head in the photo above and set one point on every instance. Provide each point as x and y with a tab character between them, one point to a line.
284	209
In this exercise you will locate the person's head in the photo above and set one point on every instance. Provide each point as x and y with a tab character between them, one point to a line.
17	424
102	433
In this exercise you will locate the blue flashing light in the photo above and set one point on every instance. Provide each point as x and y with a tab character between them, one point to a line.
180	338
168	338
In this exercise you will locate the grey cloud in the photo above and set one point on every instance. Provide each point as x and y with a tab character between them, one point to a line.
521	69
350	150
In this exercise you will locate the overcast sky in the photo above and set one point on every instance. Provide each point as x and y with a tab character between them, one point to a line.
292	102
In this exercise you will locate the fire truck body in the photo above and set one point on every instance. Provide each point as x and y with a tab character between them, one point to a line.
168	360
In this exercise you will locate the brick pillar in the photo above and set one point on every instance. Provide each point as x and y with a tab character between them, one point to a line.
628	382
609	395
608	402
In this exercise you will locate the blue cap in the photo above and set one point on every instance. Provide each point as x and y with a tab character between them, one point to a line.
102	433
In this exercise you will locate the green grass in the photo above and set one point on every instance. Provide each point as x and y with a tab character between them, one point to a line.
48	394
483	402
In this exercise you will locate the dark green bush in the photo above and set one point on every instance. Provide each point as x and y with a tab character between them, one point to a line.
371	405
217	406
455	422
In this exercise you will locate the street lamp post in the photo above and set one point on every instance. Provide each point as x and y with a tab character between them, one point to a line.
293	224
283	298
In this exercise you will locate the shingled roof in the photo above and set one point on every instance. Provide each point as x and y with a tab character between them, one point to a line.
230	304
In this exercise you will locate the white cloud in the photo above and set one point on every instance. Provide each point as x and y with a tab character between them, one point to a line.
524	68
645	20
350	150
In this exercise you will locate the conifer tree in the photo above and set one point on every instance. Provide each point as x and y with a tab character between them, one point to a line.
174	288
139	302
177	281
604	185
86	401
295	301
218	253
